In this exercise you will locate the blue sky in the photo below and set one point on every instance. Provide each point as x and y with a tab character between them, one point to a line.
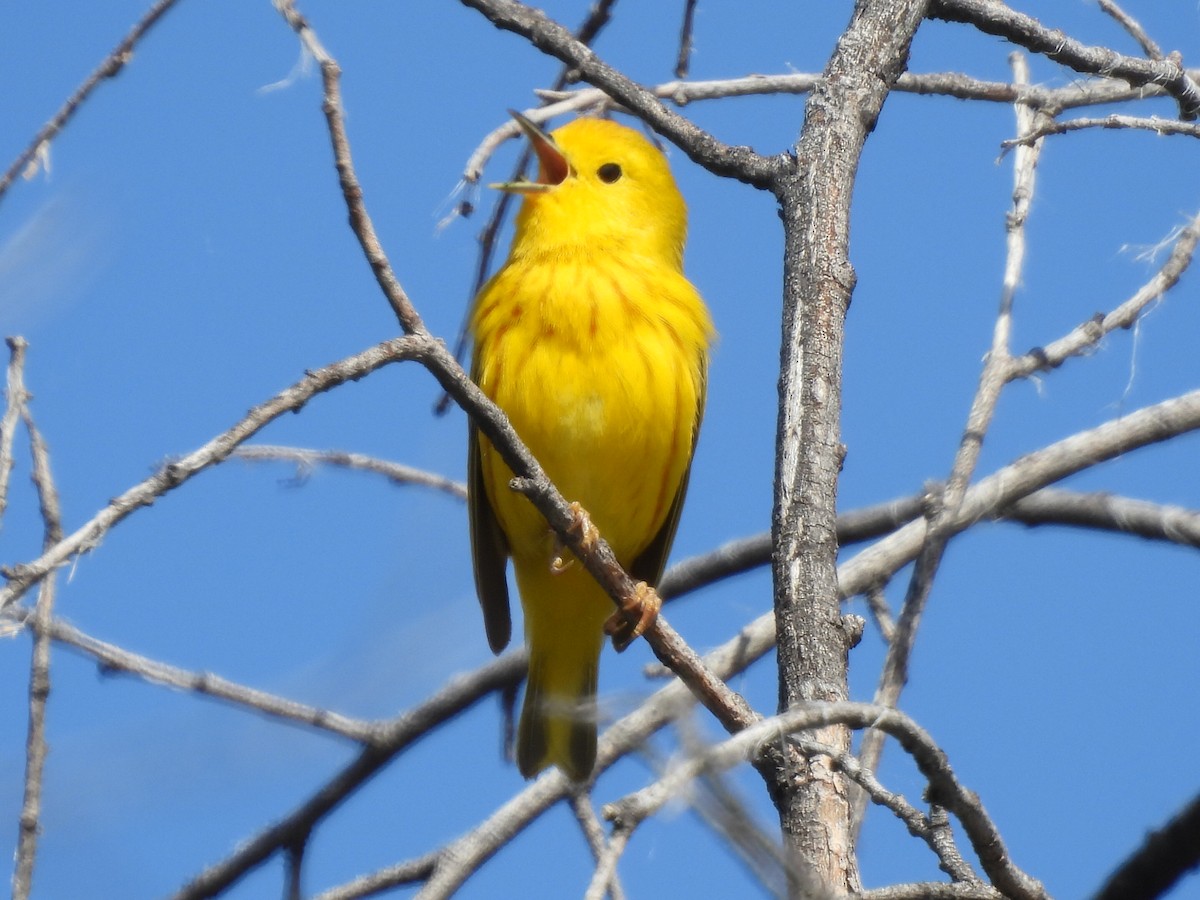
186	256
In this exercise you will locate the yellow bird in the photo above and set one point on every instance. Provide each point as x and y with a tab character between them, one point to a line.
595	345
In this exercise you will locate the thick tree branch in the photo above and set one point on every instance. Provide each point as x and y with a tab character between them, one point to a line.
818	279
1167	855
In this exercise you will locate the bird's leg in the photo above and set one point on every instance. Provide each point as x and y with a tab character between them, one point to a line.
580	525
634	616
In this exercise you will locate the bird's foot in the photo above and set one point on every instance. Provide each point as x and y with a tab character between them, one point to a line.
634	617
582	526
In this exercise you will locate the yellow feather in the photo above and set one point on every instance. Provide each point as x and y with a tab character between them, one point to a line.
595	346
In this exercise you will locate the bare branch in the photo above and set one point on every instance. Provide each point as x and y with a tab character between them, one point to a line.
939	837
112	64
410	872
172	474
306	460
929	758
605	881
606	863
548	36
116	660
360	221
39	668
1106	512
818	280
684	58
1152	123
1000	20
937	890
992	380
1167	854
1082	92
1134	27
15	400
1090	333
1002	488
392	738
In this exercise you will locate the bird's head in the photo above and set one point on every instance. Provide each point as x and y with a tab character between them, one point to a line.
601	186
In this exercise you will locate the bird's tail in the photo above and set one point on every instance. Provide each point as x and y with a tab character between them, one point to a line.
565	611
558	718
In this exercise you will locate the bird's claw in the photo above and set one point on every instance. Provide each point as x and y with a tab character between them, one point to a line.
635	617
582	526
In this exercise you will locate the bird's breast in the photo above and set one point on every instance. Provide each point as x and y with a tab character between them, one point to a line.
599	368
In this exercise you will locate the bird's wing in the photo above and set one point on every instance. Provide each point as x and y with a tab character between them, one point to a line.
489	551
649	565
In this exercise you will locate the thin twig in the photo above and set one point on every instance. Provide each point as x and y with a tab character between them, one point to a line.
881	612
593	833
941	841
703	148
360	222
1134	27
115	660
306	460
935	890
392	738
1108	512
108	68
172	474
39	669
1114	121
1080	93
411	872
683	60
1083	338
606	864
930	760
15	399
1026	31
991	382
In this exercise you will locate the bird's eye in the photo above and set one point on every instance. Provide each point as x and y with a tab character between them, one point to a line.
609	172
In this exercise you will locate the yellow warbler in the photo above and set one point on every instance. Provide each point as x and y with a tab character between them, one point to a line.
595	345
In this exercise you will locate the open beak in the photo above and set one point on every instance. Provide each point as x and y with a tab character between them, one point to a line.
553	165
